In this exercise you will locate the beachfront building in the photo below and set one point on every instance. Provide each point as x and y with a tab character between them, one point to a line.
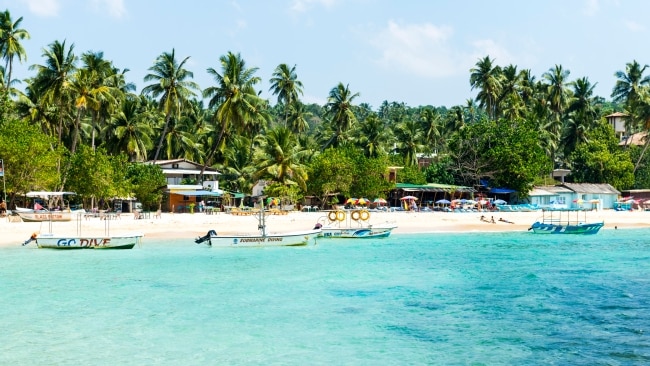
185	189
575	195
618	121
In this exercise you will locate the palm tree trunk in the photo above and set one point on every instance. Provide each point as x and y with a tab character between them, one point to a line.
208	160
645	147
162	138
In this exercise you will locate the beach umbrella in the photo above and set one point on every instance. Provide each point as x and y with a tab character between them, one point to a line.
380	201
362	201
409	198
579	201
499	202
443	201
351	200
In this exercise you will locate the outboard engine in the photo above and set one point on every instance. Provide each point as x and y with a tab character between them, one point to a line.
206	237
31	239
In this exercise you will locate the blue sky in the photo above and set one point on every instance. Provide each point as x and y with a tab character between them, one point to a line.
417	52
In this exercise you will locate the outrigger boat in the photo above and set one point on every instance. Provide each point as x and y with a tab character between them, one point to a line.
353	224
80	241
263	239
565	221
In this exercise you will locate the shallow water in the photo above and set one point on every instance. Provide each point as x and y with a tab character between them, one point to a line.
441	299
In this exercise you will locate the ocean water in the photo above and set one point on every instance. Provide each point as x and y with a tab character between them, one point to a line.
425	299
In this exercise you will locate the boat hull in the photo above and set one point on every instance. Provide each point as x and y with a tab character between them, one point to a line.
357	233
582	229
270	240
88	242
39	216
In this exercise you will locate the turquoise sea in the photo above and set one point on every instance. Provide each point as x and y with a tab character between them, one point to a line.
425	299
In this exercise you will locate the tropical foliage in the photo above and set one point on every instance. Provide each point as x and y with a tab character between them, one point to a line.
78	114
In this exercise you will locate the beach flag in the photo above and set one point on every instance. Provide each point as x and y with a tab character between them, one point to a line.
2	168
37	206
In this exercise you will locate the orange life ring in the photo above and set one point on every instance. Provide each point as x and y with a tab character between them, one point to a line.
364	215
332	216
355	215
340	215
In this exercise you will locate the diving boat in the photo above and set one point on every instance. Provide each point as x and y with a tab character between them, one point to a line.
80	241
353	224
565	221
263	239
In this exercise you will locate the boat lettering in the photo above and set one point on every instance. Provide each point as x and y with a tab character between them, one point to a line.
84	242
47	216
65	242
251	240
94	242
275	239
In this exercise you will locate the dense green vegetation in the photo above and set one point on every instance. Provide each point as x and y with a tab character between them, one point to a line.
79	125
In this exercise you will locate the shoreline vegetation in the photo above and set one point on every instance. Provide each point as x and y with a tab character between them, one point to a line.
189	226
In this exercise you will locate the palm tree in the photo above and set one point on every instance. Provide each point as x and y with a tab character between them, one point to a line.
487	79
286	86
234	99
130	131
409	136
172	86
430	123
10	46
339	111
280	158
237	167
629	83
297	117
372	135
53	78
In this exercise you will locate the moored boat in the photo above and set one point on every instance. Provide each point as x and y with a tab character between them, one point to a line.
565	221
353	224
87	242
263	239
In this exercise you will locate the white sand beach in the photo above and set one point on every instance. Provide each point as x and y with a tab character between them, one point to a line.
189	226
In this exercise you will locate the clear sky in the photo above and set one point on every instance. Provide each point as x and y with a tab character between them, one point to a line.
417	52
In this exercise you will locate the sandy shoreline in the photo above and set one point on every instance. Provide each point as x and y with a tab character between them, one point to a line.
189	226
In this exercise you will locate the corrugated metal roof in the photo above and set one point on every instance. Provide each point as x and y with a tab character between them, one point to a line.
592	188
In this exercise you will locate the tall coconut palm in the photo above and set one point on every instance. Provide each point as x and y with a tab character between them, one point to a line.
11	36
408	137
339	111
129	130
237	166
285	84
430	123
52	79
172	85
280	158
487	79
297	117
629	83
372	135
234	99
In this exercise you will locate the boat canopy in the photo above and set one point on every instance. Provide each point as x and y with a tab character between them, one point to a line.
44	194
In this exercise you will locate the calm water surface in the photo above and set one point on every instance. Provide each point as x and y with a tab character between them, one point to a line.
435	299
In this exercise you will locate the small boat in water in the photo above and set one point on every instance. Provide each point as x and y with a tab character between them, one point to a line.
565	221
80	241
263	239
353	224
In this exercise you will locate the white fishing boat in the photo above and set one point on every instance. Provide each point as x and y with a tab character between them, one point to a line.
81	241
263	239
353	224
40	213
